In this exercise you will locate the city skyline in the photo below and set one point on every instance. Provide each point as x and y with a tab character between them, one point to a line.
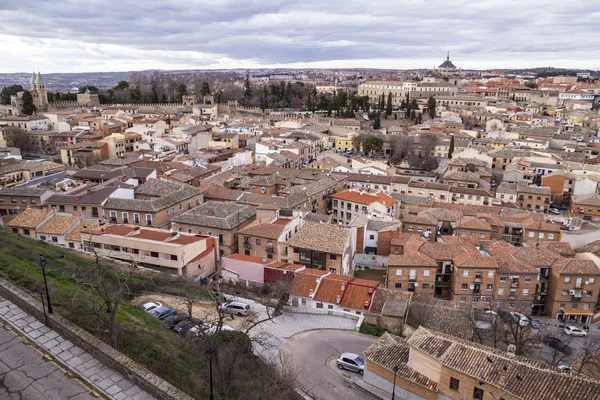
105	36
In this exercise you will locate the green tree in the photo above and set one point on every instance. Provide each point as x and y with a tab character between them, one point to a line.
372	143
288	94
419	118
431	104
122	85
92	89
309	101
205	89
136	95
377	123
181	91
8	91
388	109
413	114
247	87
451	147
154	90
28	106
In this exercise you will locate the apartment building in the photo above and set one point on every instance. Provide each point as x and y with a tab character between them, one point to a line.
160	250
266	238
347	204
28	221
323	246
87	204
15	199
533	197
221	220
154	204
586	206
57	228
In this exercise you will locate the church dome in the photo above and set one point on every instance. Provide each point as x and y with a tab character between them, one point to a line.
447	63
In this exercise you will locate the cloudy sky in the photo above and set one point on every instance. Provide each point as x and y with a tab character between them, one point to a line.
124	35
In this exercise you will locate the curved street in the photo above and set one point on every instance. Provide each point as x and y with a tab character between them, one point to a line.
308	354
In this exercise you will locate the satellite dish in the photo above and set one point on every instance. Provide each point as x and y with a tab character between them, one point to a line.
416	284
472	287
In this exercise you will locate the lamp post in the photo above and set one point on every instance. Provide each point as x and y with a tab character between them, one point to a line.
395	369
210	354
42	262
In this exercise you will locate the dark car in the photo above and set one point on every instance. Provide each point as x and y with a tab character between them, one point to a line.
162	312
183	326
557	344
172	320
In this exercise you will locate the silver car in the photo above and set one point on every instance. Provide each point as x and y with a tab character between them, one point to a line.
351	362
235	307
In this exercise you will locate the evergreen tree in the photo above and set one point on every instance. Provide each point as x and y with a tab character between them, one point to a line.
154	88
204	89
413	115
181	91
136	95
388	109
431	104
419	118
403	104
377	123
451	148
309	105
28	106
288	94
8	91
247	87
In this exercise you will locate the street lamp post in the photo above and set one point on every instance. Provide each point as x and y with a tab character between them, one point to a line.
395	369
210	354
42	262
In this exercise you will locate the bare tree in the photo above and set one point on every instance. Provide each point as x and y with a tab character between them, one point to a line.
428	142
588	363
191	294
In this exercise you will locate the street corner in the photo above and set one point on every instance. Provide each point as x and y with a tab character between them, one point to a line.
343	374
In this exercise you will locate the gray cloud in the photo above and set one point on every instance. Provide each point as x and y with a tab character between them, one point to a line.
234	33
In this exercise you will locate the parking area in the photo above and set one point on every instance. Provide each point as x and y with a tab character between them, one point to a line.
577	345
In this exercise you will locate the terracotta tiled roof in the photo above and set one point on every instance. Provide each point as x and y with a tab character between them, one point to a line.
518	376
358	293
321	237
305	281
58	225
75	234
574	266
264	230
591	367
29	219
473	223
389	352
364	198
411	260
330	287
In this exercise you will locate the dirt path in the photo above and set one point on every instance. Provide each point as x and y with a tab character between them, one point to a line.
201	309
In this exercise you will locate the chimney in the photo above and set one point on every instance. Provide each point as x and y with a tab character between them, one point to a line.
343	285
264	259
366	304
311	293
370	290
338	298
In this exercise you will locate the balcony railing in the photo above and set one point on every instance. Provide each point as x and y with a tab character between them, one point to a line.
514	285
246	245
269	249
475	291
478	279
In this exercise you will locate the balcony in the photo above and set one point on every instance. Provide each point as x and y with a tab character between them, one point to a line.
269	249
247	245
478	279
514	285
442	283
476	291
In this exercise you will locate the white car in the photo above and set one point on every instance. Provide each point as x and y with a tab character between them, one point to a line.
564	368
151	306
574	331
520	318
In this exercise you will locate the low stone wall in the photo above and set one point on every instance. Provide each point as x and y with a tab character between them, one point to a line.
112	358
317	311
390	324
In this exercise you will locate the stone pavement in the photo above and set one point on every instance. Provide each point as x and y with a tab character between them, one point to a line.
108	383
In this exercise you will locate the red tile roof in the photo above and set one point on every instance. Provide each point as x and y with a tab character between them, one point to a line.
330	287
364	198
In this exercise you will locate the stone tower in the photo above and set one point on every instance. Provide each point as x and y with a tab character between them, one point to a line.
38	91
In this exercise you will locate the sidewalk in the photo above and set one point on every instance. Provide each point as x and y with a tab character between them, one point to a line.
108	383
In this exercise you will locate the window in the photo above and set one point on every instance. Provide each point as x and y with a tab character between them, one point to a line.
500	292
42	237
489	286
586	306
257	241
551	236
462	299
247	252
591	280
74	208
465	273
71	245
541	235
426	272
525	292
398	285
454	383
371	237
478	393
426	286
61	208
490	274
567	280
565	293
527	279
562	306
398	271
502	279
531	234
574	305
464	286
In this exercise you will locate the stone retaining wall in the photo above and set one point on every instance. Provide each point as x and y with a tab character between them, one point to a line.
112	358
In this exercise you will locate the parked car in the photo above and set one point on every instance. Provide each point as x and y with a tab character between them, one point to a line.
574	331
520	318
151	306
183	327
554	211
557	344
162	312
235	307
172	320
206	329
535	323
564	368
351	362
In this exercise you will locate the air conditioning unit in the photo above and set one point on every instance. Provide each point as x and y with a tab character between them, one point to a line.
510	277
571	292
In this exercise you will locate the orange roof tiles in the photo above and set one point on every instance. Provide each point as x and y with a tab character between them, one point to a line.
330	287
30	218
364	198
359	294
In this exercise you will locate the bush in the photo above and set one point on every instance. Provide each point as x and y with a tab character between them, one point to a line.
372	330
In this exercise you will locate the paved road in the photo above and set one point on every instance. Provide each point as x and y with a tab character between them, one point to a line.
577	344
26	375
307	354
